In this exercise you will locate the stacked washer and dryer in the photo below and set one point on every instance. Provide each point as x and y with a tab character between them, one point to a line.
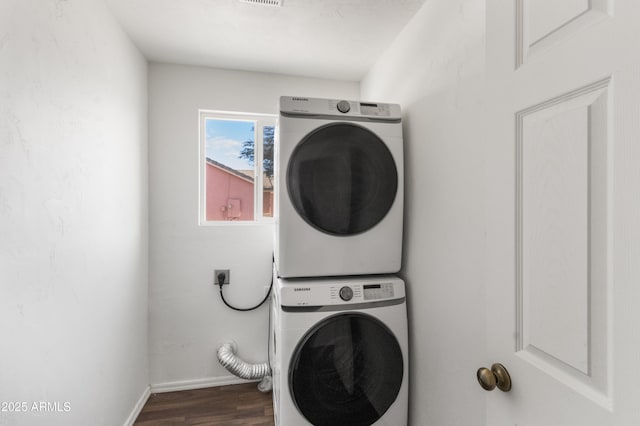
338	338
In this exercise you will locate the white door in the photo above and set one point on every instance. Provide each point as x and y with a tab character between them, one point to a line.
563	208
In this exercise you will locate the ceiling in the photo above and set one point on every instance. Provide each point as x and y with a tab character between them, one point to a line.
336	39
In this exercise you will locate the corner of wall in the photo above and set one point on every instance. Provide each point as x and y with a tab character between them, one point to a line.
435	70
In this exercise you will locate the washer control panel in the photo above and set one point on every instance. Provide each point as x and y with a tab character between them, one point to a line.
378	291
324	292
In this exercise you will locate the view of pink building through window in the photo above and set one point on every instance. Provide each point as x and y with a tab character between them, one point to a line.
230	194
230	171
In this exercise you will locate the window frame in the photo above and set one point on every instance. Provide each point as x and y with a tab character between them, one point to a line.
260	121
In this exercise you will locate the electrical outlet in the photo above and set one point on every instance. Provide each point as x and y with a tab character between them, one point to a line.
225	272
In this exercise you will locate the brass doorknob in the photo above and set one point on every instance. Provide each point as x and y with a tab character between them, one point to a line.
498	377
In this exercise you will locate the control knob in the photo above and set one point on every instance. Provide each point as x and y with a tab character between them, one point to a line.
344	106
346	293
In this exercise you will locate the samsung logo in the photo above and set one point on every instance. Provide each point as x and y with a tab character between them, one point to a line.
302	289
300	99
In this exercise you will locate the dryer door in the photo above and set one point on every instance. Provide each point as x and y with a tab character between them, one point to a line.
346	370
342	179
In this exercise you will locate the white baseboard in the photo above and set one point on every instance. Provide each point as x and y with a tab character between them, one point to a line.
138	407
197	384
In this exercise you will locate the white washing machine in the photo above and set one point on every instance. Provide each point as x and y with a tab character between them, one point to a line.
339	352
339	178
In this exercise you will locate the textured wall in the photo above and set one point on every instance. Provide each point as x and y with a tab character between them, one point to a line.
73	215
435	70
187	319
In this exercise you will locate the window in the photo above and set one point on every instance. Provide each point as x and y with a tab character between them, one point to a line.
236	172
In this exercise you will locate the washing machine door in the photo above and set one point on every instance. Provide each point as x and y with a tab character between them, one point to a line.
342	179
347	370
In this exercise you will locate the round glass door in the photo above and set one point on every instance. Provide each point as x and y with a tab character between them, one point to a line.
347	370
342	179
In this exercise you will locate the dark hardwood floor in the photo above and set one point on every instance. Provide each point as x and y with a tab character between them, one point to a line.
224	405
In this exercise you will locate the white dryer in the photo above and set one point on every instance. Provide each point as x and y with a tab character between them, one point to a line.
339	179
339	352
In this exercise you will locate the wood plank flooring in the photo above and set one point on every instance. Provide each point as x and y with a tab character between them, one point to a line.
240	404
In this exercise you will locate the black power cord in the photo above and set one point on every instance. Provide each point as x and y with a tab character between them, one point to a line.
221	278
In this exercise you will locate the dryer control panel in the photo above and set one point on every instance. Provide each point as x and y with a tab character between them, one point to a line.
331	108
326	292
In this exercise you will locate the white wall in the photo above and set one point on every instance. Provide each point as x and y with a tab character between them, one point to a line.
73	214
187	319
435	70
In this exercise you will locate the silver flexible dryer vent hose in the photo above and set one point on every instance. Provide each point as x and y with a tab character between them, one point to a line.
229	360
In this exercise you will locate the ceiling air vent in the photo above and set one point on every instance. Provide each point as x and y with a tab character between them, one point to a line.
276	3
